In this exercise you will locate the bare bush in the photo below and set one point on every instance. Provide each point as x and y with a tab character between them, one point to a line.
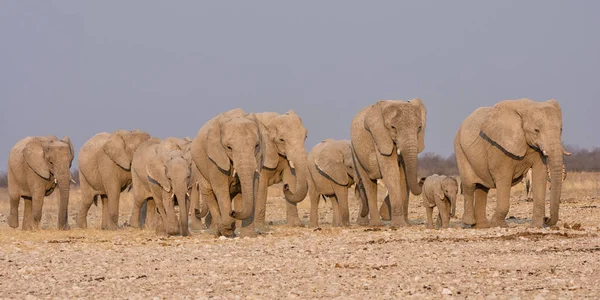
3	179
75	176
431	163
583	160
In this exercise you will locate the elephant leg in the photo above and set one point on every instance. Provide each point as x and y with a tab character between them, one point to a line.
138	209
227	224
538	180
195	208
104	223
341	195
359	194
15	198
293	220
370	191
213	219
87	199
113	193
502	203
443	214
161	220
314	205
480	196
438	221
335	209
260	206
396	191
404	194
27	216
385	210
469	211
208	222
429	212
151	214
37	203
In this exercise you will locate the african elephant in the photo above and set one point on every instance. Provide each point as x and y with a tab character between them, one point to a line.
161	177
440	191
284	160
105	171
386	138
495	146
36	166
229	153
331	172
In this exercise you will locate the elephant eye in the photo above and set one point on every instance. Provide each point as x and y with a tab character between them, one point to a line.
229	148
281	140
257	146
537	130
420	127
393	127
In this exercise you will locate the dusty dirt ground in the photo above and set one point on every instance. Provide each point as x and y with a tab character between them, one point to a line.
348	263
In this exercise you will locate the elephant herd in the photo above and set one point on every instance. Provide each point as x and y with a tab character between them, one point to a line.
223	173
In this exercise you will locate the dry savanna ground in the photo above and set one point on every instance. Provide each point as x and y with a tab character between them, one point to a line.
348	263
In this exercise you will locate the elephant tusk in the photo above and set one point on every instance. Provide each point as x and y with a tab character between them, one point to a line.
55	181
566	153
545	153
291	164
398	152
187	194
73	181
234	172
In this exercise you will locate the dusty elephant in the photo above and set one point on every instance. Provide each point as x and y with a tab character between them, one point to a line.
386	138
495	146
105	171
284	160
36	166
162	178
440	191
229	154
332	173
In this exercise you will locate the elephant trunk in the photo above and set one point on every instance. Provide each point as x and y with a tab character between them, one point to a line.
170	221
64	186
301	174
555	164
246	172
452	206
409	155
182	200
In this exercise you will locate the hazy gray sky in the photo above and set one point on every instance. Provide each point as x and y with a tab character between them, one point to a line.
81	67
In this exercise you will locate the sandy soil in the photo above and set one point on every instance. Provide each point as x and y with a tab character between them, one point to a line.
348	263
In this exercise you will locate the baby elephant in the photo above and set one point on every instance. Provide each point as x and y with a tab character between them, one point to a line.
440	191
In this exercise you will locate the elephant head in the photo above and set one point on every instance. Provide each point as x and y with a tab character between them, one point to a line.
122	144
287	136
516	125
449	189
52	159
399	126
172	172
335	162
235	146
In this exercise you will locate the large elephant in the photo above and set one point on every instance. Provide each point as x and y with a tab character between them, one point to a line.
161	178
229	153
332	173
284	160
495	146
386	138
36	166
105	171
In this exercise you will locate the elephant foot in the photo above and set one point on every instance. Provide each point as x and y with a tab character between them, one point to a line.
227	231
400	222
81	223
376	223
468	219
362	221
246	232
262	229
13	221
484	224
499	223
295	222
110	226
197	226
64	227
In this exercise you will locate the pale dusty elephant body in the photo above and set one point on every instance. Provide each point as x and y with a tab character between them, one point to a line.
386	138
495	146
229	154
439	191
105	171
37	166
527	183
162	177
332	173
285	161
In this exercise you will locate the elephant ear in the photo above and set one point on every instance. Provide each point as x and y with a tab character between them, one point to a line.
116	149
421	135
35	156
268	155
504	127
439	188
215	150
375	125
157	172
67	140
330	162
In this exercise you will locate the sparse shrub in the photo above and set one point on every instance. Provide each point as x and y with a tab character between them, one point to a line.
583	160
431	163
3	179
75	176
